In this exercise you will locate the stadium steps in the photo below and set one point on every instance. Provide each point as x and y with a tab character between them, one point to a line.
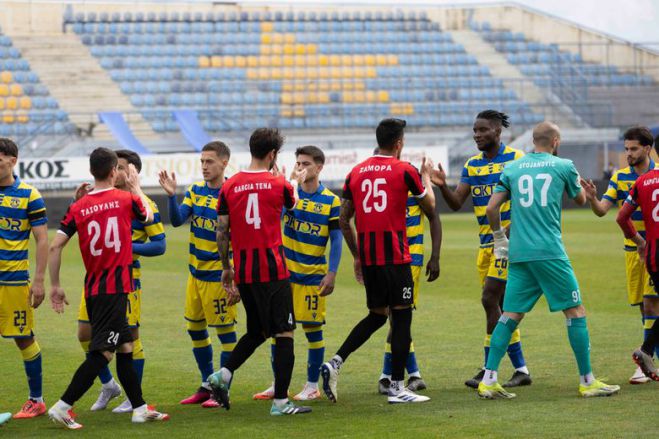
514	79
78	82
635	105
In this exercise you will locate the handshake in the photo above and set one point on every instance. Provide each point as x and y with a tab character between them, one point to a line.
500	244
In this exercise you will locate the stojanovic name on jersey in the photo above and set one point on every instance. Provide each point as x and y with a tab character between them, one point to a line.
100	207
537	165
252	186
374	168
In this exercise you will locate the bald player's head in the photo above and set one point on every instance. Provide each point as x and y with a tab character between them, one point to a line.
547	137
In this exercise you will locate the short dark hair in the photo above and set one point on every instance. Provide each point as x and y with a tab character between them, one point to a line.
8	147
389	131
101	163
220	148
656	144
495	116
264	140
640	133
131	157
316	153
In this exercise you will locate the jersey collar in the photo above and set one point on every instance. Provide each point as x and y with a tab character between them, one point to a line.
650	168
321	188
502	148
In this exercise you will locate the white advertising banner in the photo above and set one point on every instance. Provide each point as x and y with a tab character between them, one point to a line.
66	173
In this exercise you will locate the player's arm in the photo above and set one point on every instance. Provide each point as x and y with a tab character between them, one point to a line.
57	296
624	220
599	207
37	289
157	244
177	214
347	213
454	199
336	248
492	211
432	267
223	239
573	185
133	183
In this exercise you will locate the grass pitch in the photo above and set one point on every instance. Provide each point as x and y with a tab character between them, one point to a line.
448	331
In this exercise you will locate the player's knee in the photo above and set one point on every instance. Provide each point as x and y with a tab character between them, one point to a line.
84	332
384	311
651	306
107	355
287	334
575	312
135	332
489	300
377	319
24	343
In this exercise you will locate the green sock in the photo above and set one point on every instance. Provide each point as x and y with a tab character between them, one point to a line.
577	332
499	341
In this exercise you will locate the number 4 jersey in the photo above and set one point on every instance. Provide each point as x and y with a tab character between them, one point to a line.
103	221
535	184
254	201
378	188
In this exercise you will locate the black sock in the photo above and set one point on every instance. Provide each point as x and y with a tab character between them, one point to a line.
84	377
401	337
128	379
283	361
652	339
243	350
360	333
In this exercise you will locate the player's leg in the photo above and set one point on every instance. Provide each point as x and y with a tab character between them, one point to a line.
638	281
138	364
385	377
201	342
650	346
377	303
17	322
650	307
414	380
269	393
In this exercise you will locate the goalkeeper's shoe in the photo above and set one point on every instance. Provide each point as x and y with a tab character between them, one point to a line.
330	379
64	417
645	362
475	381
493	391
598	388
220	388
288	409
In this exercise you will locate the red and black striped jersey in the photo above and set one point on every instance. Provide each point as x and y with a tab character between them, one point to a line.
254	201
378	188
645	194
102	220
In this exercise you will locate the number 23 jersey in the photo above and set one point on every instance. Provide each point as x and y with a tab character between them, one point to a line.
254	201
378	188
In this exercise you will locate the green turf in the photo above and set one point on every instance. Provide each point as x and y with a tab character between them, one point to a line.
448	330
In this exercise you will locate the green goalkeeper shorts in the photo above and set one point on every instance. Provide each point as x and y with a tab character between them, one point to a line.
527	281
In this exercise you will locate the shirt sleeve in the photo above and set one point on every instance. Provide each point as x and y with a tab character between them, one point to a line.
335	211
155	231
36	209
413	182
632	198
464	178
504	182
347	193
68	224
222	205
289	195
137	208
611	193
572	185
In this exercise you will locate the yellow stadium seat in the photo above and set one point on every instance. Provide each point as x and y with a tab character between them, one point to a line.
371	96
276	61
288	73
300	49
264	61
323	98
300	60
381	60
267	26
229	61
359	85
335	60
298	111
370	60
8	118
392	60
278	39
410	109
276	73
371	72
278	49
21	117
323	86
312	49
216	61
312	73
289	49
310	98
394	108
289	61
240	61
358	60
335	72
4	90
348	97
286	111
252	61
300	86
2	103
204	62
289	38
312	60
6	77
298	97
264	74
16	90
25	103
12	103
359	72
324	72
383	96
287	98
323	60
347	72
267	38
266	50
336	86
287	87
360	96
346	60
252	74
300	73
348	85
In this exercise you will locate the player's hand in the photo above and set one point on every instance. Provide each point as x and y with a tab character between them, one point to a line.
438	176
299	175
590	188
58	299
642	251
167	182
427	166
82	190
133	179
37	293
500	244
359	275
327	284
230	286
432	269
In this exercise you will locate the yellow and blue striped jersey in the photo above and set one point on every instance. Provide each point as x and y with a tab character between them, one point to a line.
21	208
200	203
619	185
141	232
306	232
414	221
482	175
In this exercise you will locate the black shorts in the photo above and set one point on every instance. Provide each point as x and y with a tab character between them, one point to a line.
388	285
107	316
269	307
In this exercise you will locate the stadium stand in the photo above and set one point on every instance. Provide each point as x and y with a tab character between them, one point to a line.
26	107
295	71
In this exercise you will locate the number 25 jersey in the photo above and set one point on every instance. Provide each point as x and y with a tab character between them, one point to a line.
378	188
254	201
103	222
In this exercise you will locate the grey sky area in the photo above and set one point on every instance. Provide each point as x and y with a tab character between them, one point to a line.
633	20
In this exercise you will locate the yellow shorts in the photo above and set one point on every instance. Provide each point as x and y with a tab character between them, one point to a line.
133	309
16	317
639	284
208	302
488	266
416	277
308	304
